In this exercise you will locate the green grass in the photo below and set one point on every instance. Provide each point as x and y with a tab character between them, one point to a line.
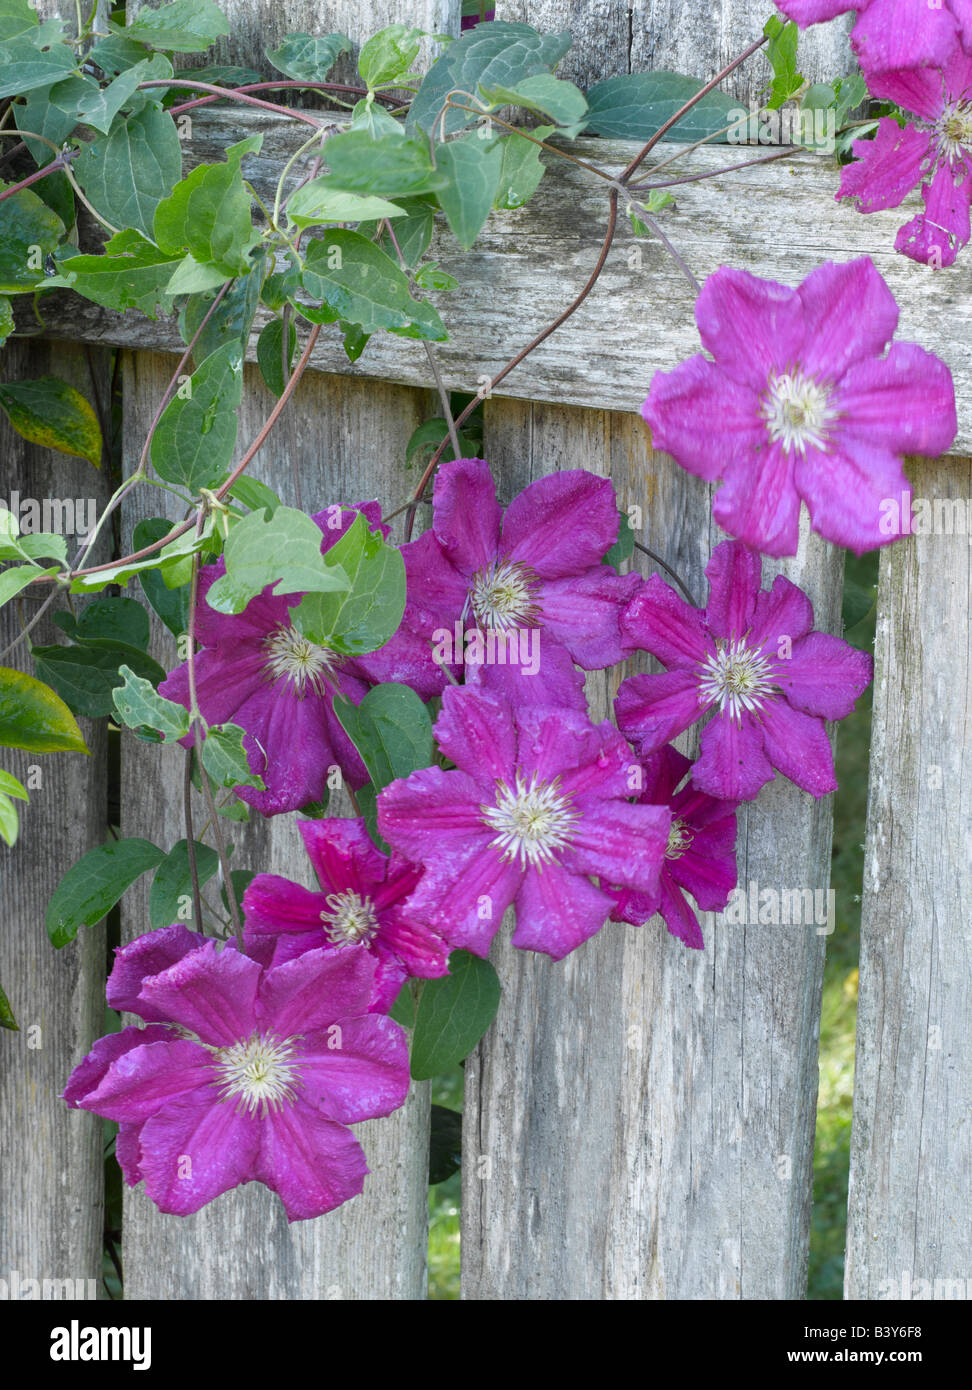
838	1020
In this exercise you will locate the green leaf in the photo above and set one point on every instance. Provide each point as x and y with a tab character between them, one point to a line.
781	53
189	277
171	605
355	340
368	115
427	438
119	619
208	214
32	546
318	202
521	170
7	324
623	547
172	884
117	53
53	112
16	17
635	106
390	166
388	55
403	1009
494	54
128	172
413	232
473	169
9	821
302	57
224	758
53	414
241	878
857	603
86	674
445	1144
196	437
7	1019
220	74
92	886
10	786
99	108
132	273
137	705
270	354
184	26
364	617
284	550
429	277
453	1014
545	95
231	321
851	91
391	729
171	557
254	495
29	232
362	285
24	66
32	716
13	580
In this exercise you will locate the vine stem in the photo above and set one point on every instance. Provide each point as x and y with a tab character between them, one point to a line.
191	842
248	87
231	94
668	568
55	166
787	150
525	134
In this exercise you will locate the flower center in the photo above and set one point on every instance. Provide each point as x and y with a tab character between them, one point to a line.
261	1072
679	839
349	920
797	412
955	131
292	656
532	822
737	678
503	595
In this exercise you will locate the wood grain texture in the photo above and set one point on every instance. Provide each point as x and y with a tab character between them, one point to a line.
696	37
647	1112
779	221
51	1157
911	1142
346	441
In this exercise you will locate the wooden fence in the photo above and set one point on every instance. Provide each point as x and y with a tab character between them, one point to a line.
639	1121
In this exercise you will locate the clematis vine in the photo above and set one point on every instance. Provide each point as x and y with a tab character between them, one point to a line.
799	404
361	906
518	598
750	660
934	152
536	806
893	34
244	1074
700	857
259	672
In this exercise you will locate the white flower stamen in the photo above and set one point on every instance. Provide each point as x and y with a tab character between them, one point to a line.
797	412
954	130
261	1072
679	839
350	920
532	821
737	678
503	596
291	656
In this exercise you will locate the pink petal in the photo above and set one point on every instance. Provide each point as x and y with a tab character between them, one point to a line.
825	675
312	1163
91	1071
806	12
128	1152
467	514
475	729
584	613
143	1079
562	524
797	746
357	1069
343	855
904	403
679	918
657	620
316	989
783	611
936	236
732	765
887	168
848	490
652	710
196	1149
894	34
464	899
700	389
849	314
557	681
759	504
588	759
275	904
437	589
423	954
210	992
433	813
557	911
735	573
662	773
145	956
752	327
620	843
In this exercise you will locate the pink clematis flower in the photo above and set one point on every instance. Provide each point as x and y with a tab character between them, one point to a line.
536	805
533	576
800	404
752	661
892	34
700	858
360	906
253	1076
259	672
935	152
